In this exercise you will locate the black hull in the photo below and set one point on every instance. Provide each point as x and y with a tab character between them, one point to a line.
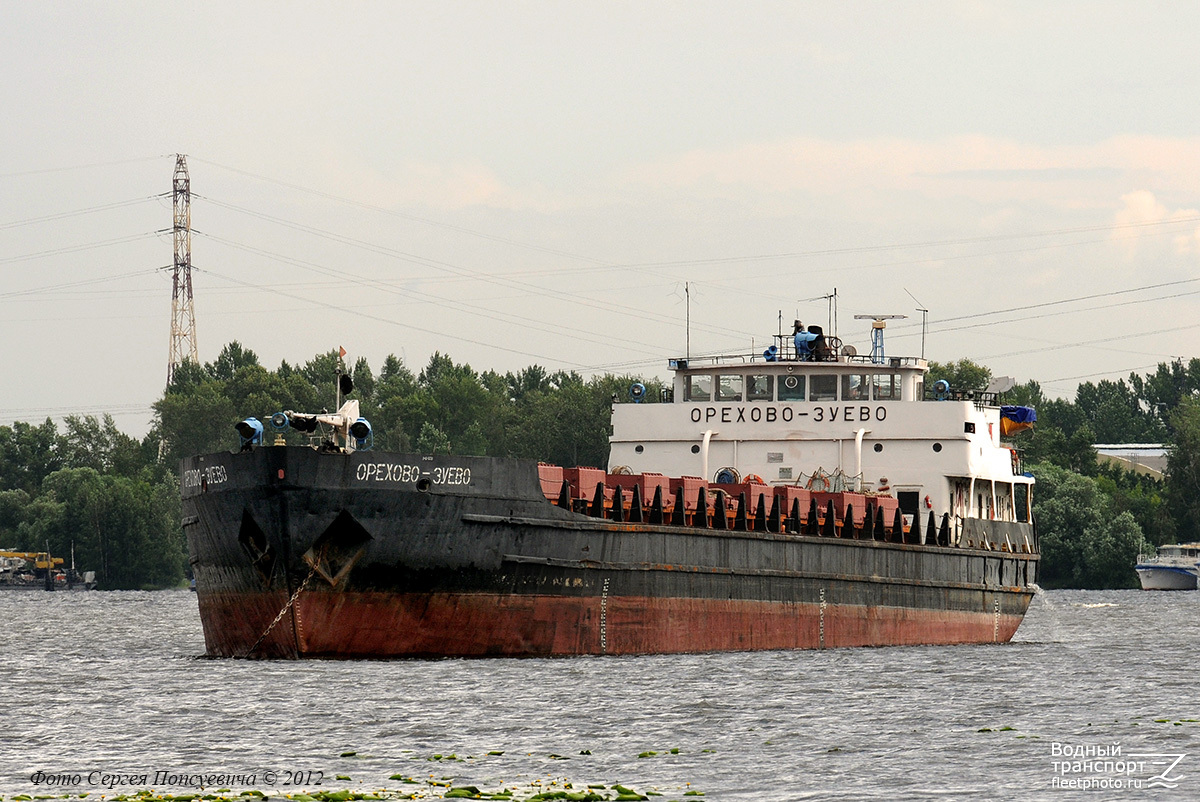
301	553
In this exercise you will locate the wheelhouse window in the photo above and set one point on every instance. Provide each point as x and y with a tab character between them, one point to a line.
885	386
729	387
760	388
855	387
699	387
822	387
791	388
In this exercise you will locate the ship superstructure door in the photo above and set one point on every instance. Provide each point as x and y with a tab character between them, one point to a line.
960	495
910	504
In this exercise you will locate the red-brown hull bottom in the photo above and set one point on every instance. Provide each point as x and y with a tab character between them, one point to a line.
376	625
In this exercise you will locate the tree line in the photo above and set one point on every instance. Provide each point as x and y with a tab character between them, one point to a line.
92	492
115	500
447	407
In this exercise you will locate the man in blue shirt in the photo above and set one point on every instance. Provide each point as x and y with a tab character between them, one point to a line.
804	341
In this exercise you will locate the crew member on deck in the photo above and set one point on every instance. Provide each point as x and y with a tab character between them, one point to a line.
804	341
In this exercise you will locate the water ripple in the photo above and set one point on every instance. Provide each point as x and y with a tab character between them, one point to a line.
108	682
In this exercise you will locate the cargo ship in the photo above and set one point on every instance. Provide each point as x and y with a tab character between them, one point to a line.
804	497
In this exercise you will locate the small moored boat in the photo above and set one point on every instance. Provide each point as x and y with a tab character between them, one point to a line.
1176	566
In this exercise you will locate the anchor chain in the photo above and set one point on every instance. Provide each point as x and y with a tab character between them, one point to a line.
282	612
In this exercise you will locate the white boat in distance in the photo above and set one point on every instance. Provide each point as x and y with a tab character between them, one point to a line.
1176	566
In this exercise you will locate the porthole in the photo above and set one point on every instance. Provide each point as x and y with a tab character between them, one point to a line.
937	447
878	447
695	449
639	449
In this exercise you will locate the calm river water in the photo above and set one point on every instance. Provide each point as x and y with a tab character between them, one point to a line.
101	685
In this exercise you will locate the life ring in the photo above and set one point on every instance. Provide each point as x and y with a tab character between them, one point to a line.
754	478
883	485
823	480
928	503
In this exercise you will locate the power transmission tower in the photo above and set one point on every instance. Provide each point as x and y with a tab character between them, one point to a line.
183	311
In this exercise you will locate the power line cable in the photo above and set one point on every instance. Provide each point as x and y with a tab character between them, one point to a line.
73	284
359	313
535	289
401	215
77	248
76	167
76	213
1128	335
1119	305
409	292
723	259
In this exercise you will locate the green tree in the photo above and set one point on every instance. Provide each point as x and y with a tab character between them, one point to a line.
1085	542
233	357
364	380
196	422
13	507
1144	496
28	454
90	443
472	442
187	376
432	440
1183	468
962	375
1162	391
394	380
125	529
1115	414
1028	394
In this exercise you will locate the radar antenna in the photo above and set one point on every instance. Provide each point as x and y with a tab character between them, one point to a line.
877	326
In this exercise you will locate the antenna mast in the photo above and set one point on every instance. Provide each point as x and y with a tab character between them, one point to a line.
183	311
924	321
687	291
833	321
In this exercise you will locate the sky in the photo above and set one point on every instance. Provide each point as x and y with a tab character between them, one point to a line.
568	184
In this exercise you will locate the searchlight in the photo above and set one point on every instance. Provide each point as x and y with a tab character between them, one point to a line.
251	432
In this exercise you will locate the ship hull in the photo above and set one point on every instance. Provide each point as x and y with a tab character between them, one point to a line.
1157	577
304	554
